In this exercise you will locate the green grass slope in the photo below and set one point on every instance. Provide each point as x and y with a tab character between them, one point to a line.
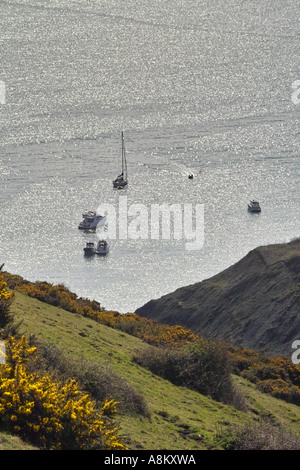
180	418
8	442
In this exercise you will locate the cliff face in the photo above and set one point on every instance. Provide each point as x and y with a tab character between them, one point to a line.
255	303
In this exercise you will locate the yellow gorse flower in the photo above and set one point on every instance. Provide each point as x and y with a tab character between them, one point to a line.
51	414
4	294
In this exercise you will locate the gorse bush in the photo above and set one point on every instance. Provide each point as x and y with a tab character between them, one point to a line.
276	376
153	332
47	413
58	295
280	389
6	299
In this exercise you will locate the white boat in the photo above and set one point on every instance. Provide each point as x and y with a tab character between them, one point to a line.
122	179
254	206
89	249
90	220
102	247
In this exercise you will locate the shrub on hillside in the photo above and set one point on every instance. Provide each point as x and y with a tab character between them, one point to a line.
242	358
276	376
262	436
58	295
201	366
6	299
7	325
280	389
153	332
266	371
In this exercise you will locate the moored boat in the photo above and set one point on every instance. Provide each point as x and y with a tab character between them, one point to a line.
254	206
90	220
89	249
102	247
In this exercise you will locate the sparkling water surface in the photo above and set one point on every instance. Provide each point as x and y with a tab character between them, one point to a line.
197	86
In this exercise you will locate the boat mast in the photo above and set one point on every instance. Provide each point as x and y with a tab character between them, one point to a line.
124	164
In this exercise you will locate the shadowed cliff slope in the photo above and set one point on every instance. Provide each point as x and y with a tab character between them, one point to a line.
254	303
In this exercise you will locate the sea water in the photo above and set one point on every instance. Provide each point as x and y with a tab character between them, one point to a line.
198	86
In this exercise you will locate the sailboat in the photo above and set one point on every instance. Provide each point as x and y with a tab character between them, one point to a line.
122	180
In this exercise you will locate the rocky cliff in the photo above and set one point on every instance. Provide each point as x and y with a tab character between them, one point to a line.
254	303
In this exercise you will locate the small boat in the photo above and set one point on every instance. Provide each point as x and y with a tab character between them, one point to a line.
122	179
102	247
89	249
90	221
254	206
190	177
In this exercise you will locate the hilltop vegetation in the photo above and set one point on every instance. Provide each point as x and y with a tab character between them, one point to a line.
158	405
197	354
253	304
275	375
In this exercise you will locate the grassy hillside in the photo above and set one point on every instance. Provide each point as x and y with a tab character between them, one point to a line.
255	303
8	442
179	418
